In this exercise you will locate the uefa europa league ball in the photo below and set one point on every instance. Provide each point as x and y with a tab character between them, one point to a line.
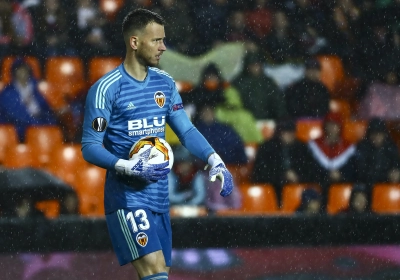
160	150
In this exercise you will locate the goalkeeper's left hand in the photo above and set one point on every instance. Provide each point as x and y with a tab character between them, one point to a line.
219	170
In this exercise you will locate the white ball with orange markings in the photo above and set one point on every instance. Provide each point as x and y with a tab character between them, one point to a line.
160	150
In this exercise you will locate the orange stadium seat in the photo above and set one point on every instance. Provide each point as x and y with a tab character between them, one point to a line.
66	163
8	140
90	189
43	140
110	8
19	156
184	86
332	71
354	131
240	172
386	199
342	107
32	61
50	208
338	198
55	100
66	74
291	196
99	66
308	129
257	199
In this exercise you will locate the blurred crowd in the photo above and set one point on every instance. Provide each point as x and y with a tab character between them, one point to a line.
280	81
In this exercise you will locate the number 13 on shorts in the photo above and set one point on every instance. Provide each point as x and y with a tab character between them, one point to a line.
144	225
136	232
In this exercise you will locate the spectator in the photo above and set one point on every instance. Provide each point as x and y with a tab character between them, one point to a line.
180	29
342	30
226	142
89	30
7	34
25	208
333	156
21	103
216	92
308	97
259	20
210	20
382	97
359	201
311	203
186	183
237	30
69	204
282	160
280	44
51	29
374	59
377	158
260	94
16	28
209	91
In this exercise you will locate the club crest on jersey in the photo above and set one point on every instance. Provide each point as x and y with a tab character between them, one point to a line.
141	239
99	124
159	98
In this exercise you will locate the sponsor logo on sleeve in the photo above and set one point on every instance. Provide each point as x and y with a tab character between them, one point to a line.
99	124
177	107
159	98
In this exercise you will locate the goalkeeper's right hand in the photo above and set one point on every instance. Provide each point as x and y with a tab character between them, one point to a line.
142	169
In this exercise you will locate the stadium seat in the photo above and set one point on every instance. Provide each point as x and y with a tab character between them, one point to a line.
386	199
67	162
342	107
338	198
291	196
32	61
54	99
50	208
43	141
241	173
184	86
8	140
66	74
19	156
187	211
90	189
99	66
332	71
110	8
259	198
354	131
308	129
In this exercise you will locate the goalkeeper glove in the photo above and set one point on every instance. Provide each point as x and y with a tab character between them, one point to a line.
142	169
219	170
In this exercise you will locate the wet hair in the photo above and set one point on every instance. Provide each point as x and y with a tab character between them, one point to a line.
138	19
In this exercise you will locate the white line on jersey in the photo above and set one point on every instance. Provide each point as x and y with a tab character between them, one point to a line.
103	86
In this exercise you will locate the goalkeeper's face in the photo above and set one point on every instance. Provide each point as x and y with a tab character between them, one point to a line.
151	44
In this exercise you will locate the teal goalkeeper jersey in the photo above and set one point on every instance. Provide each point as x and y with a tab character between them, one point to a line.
120	110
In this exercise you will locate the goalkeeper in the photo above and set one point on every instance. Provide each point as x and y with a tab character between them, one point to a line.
135	100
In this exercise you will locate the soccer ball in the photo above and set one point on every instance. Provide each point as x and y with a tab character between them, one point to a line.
160	150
